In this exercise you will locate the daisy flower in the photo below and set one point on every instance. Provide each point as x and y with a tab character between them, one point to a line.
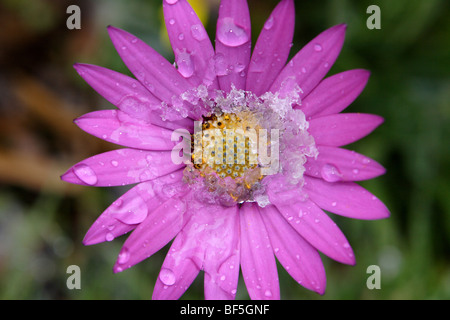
233	155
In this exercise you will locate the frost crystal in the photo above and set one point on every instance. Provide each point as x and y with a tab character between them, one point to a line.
273	112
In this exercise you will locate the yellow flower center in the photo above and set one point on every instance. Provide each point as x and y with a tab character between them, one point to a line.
226	147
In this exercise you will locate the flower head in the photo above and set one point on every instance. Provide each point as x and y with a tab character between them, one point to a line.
234	155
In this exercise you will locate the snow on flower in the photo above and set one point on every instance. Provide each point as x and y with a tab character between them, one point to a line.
242	113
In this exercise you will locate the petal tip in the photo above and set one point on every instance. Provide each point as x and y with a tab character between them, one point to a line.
69	176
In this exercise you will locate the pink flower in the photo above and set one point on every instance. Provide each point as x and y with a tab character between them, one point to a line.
230	216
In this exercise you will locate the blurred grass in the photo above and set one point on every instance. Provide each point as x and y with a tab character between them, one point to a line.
43	221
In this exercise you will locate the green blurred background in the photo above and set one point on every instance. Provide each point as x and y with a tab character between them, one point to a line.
43	220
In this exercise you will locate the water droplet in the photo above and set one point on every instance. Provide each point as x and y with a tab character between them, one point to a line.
180	207
330	173
133	105
231	34
109	236
220	65
355	171
172	22
167	276
325	65
303	70
268	293
317	47
269	23
185	64
124	256
114	163
134	40
198	32
233	292
181	37
171	1
334	204
86	174
239	67
222	278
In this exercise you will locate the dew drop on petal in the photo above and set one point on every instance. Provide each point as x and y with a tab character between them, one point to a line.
171	1
220	66
268	293
239	67
317	47
185	64
109	237
167	276
124	256
132	105
330	173
269	23
231	34
85	174
172	22
198	32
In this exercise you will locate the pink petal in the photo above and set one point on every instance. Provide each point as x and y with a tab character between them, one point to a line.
117	127
340	129
335	93
157	74
133	207
336	164
298	257
209	241
126	93
346	199
121	167
272	48
221	257
233	44
311	63
160	226
193	50
176	274
313	225
258	264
